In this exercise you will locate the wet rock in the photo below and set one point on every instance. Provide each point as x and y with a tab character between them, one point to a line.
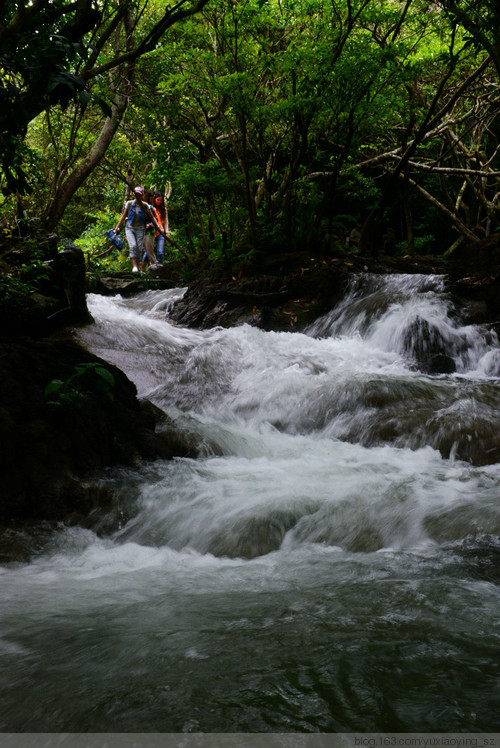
474	273
130	285
239	298
479	297
426	344
53	443
200	307
69	267
59	299
473	312
271	302
29	314
439	363
169	271
112	286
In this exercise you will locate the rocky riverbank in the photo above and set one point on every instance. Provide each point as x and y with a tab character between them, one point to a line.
288	292
65	414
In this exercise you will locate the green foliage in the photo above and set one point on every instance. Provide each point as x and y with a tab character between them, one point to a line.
37	52
361	191
261	96
92	240
422	245
53	55
34	275
243	106
12	289
70	392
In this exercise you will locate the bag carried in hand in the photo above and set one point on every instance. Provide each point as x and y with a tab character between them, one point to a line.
114	239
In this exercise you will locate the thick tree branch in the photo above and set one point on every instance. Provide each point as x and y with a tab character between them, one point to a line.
459	225
21	19
148	44
451	171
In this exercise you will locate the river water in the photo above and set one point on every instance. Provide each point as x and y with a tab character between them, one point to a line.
329	562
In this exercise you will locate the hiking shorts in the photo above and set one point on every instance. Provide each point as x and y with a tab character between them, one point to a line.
135	241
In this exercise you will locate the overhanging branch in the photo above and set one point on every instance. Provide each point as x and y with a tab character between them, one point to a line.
453	171
148	44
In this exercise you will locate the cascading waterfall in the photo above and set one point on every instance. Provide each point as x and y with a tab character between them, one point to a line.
330	560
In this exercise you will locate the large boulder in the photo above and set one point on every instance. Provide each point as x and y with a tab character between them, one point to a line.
64	414
57	297
271	301
426	344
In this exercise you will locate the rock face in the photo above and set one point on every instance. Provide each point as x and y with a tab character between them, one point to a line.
475	280
64	413
60	301
123	284
427	346
50	442
290	291
69	268
271	300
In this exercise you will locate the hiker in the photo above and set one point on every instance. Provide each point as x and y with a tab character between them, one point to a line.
137	214
149	238
160	211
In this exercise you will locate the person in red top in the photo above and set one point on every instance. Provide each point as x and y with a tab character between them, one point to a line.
161	215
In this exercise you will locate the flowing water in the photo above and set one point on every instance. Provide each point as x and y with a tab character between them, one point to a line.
328	563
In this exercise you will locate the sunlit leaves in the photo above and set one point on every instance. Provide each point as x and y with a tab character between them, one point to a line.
238	105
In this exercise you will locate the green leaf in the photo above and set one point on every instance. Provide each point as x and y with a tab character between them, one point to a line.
105	108
84	97
54	387
106	375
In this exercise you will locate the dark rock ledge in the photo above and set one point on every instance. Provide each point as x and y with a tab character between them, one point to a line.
53	445
291	291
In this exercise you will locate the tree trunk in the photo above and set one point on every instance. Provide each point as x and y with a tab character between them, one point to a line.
410	238
66	189
65	192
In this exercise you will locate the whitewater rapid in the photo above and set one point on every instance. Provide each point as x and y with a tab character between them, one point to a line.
329	561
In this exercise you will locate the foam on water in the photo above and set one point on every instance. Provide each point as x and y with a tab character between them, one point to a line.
410	315
320	437
328	562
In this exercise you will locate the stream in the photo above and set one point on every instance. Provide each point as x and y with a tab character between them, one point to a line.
330	562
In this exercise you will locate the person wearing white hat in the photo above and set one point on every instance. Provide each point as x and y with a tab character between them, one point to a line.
137	214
